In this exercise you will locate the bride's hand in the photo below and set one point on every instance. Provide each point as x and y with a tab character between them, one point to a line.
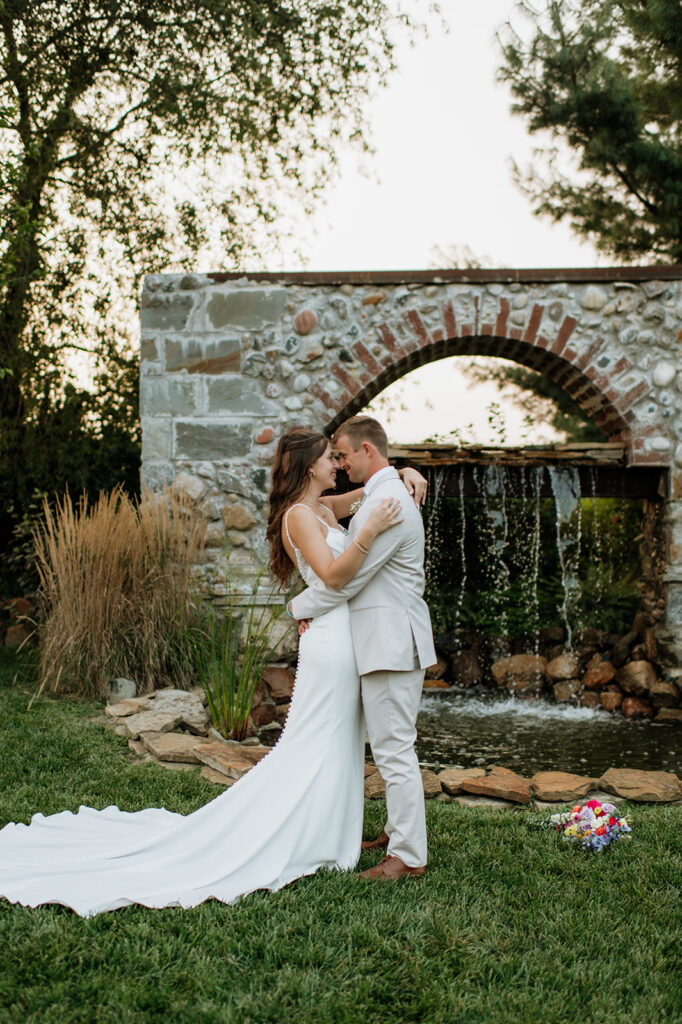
415	483
384	516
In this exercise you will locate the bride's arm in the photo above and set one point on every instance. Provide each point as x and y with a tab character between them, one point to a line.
340	504
304	528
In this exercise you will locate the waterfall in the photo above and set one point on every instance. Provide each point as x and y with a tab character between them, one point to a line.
432	531
566	491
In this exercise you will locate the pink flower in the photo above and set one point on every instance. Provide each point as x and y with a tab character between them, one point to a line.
593	804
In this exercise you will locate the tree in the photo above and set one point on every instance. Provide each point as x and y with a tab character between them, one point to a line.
603	79
541	399
136	133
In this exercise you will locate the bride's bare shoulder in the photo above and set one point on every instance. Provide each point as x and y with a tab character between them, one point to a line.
300	517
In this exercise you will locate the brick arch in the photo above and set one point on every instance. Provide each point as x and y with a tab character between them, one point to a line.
582	383
591	380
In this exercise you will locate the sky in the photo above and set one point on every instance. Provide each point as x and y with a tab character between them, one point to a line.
440	176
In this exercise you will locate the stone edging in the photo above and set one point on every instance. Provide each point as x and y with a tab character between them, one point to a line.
172	729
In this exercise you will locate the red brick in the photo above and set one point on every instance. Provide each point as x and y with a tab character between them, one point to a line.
390	341
449	320
515	333
345	378
620	367
417	325
467	330
574	387
591	373
502	317
324	396
632	395
365	357
486	329
569	355
542	342
629	416
438	335
588	357
534	322
648	459
565	332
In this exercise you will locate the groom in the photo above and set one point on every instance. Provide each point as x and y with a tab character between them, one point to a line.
392	638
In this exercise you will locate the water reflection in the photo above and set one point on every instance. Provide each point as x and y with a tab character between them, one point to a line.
484	727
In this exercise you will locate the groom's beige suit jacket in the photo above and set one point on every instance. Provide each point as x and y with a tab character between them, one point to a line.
390	621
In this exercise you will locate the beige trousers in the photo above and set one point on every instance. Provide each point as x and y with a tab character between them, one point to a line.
391	701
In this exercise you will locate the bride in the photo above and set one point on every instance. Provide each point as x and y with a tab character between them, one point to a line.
298	810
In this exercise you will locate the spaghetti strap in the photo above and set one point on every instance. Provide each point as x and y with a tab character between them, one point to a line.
302	505
286	524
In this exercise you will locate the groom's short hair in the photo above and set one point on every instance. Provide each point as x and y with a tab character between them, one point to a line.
363	428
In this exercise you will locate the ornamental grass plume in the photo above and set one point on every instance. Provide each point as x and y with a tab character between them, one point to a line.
118	595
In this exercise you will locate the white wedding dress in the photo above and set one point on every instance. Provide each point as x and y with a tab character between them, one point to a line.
298	810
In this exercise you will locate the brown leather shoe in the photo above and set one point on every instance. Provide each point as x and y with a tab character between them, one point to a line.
391	868
380	843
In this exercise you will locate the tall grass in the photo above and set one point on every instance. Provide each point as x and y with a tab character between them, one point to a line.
230	655
117	592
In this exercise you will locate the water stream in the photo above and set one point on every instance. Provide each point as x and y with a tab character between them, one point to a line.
486	727
488	564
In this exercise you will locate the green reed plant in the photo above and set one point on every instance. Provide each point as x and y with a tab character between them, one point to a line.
118	593
231	652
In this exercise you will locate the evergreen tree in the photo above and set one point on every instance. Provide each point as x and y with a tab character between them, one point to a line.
603	80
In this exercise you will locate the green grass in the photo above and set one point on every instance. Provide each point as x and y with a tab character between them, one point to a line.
508	925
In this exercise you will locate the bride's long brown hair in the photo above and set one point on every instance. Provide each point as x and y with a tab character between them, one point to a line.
297	450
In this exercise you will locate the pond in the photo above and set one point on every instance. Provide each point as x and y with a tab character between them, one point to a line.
482	727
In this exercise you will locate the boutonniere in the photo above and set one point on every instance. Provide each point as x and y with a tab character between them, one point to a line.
356	504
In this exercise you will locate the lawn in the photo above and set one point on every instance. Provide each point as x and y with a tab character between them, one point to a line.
507	926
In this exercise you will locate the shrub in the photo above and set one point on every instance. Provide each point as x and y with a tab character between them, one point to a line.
230	655
117	593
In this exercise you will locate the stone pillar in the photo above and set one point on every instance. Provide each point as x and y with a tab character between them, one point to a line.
669	636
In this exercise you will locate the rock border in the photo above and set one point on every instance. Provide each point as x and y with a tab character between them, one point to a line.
172	728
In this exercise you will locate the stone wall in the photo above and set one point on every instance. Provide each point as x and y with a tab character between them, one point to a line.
229	361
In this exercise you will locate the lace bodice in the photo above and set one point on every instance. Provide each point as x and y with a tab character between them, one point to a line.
336	539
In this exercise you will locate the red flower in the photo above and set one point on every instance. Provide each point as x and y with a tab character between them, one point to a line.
593	804
612	821
600	831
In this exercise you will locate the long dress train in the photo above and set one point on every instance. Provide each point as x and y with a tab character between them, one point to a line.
298	810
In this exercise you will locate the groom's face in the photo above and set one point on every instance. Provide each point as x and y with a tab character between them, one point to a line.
355	462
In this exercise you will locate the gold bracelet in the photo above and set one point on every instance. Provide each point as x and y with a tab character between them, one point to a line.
360	547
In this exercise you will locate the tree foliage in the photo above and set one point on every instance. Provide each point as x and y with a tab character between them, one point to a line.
135	135
541	399
603	80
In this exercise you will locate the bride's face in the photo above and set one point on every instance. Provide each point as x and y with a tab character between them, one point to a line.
324	469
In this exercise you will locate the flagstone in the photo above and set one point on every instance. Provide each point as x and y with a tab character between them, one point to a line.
124	708
217	778
172	746
645	787
451	778
232	759
469	800
549	786
186	704
151	721
500	783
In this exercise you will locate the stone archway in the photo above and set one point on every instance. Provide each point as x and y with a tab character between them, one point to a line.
229	360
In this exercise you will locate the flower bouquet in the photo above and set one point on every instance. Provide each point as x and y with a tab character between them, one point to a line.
592	825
